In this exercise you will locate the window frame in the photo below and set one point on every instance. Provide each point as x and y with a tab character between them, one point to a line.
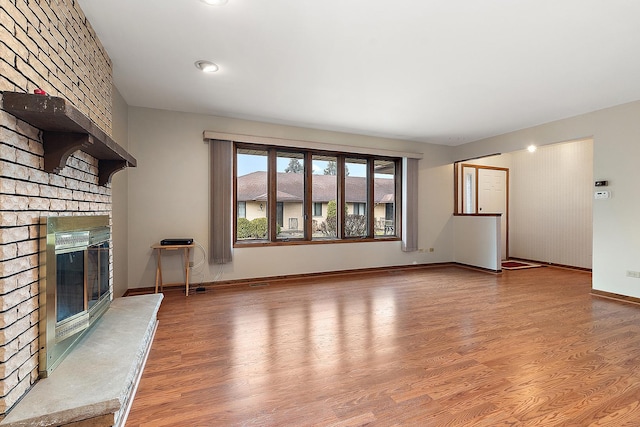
308	204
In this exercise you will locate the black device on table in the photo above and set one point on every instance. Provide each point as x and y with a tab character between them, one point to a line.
170	242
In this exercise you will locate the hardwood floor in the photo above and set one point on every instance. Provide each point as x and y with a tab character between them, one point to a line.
442	346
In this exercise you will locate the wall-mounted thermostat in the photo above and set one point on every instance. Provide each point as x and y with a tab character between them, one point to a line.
602	194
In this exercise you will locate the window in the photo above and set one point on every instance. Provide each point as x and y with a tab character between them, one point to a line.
251	191
290	195
384	197
360	209
317	209
293	195
242	209
324	191
356	193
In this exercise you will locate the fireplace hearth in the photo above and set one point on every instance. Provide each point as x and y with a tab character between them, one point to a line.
93	348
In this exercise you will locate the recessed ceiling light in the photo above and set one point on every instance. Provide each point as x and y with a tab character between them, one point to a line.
532	148
206	66
215	2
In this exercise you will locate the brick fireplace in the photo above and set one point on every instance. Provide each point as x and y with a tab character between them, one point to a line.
48	45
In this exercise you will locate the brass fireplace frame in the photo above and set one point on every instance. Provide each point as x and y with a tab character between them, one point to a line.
58	235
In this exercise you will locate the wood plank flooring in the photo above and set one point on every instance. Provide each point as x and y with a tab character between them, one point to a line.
441	346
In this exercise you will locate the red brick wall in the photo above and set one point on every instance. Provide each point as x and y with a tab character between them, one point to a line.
50	45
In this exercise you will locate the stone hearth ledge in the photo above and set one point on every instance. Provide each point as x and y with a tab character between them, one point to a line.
94	384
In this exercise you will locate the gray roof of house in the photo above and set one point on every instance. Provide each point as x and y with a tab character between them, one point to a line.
253	187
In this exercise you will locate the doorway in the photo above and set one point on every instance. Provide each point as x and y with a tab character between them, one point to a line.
485	190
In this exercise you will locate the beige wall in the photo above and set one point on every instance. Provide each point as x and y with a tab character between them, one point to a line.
254	211
551	200
119	183
292	215
477	241
169	197
616	148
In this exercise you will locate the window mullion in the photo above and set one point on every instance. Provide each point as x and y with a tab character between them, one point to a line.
398	197
342	203
272	207
308	196
370	198
235	192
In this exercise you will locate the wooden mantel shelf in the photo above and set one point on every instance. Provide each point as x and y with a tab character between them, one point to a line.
65	130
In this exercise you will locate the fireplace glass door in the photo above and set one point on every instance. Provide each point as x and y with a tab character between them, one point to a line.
97	272
70	297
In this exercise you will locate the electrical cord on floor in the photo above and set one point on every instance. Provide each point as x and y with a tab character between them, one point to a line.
197	271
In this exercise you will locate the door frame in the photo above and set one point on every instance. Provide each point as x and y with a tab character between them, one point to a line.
459	201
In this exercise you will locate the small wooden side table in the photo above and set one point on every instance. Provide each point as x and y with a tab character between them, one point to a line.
185	256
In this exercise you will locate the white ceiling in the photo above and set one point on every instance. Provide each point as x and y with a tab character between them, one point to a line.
438	71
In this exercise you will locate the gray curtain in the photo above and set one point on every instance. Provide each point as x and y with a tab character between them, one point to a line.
410	204
221	201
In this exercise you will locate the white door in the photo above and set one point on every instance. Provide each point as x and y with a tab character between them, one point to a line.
492	198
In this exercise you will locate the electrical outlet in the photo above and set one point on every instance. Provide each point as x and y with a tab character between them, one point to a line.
432	250
634	274
190	263
421	250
